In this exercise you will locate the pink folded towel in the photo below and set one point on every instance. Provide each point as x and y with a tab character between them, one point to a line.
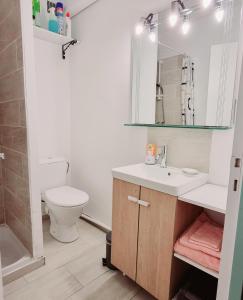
199	257
185	238
208	235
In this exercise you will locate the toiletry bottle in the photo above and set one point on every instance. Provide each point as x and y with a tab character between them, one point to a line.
150	157
53	24
36	12
68	25
60	18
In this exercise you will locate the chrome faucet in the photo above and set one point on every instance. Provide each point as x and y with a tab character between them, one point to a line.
162	157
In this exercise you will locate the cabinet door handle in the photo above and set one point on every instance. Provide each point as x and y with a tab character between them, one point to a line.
143	203
132	199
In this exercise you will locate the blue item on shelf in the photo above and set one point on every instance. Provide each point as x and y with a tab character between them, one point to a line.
52	23
53	26
59	9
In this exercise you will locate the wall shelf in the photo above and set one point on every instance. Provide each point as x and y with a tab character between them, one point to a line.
179	126
196	265
48	36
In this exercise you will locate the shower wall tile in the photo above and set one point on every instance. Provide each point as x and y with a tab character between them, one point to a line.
10	27
19	53
8	60
15	162
12	86
21	231
14	179
15	184
15	205
14	138
12	113
2	214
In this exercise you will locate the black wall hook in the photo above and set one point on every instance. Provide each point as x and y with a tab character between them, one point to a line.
66	46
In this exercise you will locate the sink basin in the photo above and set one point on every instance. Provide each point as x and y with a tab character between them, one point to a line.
167	180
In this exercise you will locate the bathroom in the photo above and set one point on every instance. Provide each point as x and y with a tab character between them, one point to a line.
76	131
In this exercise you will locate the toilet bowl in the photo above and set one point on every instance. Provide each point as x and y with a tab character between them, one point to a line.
65	205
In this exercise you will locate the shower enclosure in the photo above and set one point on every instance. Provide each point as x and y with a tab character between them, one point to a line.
16	243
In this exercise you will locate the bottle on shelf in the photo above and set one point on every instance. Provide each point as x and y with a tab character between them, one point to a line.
60	18
36	9
68	25
53	24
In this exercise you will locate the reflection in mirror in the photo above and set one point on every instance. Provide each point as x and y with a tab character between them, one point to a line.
184	64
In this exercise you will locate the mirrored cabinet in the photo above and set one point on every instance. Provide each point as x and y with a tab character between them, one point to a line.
184	66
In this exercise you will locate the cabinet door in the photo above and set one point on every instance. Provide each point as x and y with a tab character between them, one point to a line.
155	242
125	212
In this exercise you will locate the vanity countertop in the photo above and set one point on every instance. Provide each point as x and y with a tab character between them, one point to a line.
210	196
167	180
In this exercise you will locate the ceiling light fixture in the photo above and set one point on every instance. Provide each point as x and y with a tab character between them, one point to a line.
174	15
152	36
219	13
185	25
149	25
206	3
139	29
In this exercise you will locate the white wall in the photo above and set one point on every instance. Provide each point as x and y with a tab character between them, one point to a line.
220	157
53	91
101	99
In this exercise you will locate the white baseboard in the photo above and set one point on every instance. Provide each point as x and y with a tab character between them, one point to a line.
97	223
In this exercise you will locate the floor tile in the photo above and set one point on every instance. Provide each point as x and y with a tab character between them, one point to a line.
14	286
110	285
75	271
58	285
89	266
143	295
59	254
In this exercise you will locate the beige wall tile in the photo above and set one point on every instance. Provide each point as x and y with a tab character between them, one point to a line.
12	86
8	60
11	113
19	53
187	148
22	114
15	206
15	201
10	28
20	230
14	138
14	161
6	7
16	184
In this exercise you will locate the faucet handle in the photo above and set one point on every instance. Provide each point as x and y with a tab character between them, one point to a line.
163	149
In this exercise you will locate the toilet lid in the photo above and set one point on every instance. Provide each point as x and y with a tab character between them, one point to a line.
66	196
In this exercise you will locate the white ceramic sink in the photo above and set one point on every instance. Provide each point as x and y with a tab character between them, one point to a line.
167	180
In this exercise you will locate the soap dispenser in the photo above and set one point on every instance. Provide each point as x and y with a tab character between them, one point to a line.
53	24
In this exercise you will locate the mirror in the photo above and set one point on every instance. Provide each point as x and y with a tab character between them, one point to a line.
185	74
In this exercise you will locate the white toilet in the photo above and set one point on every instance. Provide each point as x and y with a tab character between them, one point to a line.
64	202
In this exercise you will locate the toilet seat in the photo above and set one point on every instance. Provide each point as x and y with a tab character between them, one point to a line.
66	196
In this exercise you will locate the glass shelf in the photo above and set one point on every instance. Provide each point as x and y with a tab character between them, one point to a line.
180	126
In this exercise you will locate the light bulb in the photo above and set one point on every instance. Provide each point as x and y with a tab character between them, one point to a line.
185	26
206	3
152	36
139	29
219	14
173	18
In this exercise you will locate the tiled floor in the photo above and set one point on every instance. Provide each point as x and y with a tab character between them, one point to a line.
74	271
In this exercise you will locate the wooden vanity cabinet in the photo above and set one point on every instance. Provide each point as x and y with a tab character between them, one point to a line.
144	233
125	215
